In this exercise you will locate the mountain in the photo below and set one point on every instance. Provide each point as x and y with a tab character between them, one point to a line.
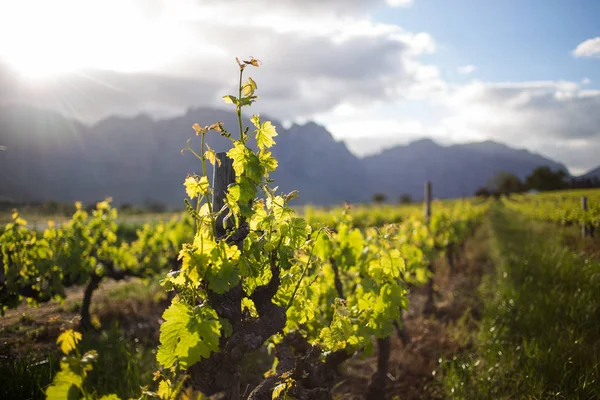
594	173
138	160
455	171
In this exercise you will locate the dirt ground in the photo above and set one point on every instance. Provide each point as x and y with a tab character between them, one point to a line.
32	331
413	367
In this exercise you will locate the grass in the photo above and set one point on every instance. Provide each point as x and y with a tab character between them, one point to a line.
126	344
538	336
24	378
123	366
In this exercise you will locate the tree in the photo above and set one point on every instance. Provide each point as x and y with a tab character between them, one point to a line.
543	178
483	192
379	198
405	199
506	183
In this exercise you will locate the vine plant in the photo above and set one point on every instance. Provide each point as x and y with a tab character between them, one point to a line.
226	304
255	273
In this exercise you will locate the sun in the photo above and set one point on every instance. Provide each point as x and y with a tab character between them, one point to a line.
33	66
35	36
41	39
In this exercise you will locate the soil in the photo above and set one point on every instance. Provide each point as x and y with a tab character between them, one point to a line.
413	368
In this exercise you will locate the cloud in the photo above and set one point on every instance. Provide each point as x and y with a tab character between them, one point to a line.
588	48
95	94
466	69
399	3
316	55
555	117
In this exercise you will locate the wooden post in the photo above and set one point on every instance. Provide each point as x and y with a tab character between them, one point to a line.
427	211
223	176
584	226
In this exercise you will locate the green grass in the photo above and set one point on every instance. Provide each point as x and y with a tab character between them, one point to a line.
122	367
539	336
126	356
24	378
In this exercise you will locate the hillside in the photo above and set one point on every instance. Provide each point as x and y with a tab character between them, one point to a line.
455	171
138	160
594	173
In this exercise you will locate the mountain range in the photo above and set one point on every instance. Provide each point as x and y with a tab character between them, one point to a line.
136	160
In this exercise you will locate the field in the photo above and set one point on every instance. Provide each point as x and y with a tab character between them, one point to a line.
244	297
515	309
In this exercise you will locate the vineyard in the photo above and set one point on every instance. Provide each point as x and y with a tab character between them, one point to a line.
248	297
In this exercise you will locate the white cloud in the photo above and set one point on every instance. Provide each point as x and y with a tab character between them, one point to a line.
322	59
588	48
466	69
554	117
316	54
399	3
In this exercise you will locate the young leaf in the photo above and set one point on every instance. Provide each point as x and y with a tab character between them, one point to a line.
187	335
65	385
195	186
265	134
199	130
229	99
211	156
253	61
68	340
255	120
249	87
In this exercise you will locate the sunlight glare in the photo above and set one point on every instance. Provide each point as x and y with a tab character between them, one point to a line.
40	38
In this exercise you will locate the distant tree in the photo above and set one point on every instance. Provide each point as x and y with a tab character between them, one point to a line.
543	178
483	192
506	183
405	199
379	198
128	208
155	207
50	208
584	183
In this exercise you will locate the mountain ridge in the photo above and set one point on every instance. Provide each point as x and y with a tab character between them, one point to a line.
138	160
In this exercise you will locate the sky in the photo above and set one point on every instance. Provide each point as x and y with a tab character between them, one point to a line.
376	73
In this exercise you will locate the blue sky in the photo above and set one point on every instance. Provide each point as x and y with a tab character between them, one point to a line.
376	73
509	40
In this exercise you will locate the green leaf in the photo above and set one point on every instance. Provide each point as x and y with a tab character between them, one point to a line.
255	120
297	230
187	335
223	274
340	332
165	391
65	385
62	392
68	340
195	187
230	99
211	156
278	390
267	160
238	153
265	135
249	87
